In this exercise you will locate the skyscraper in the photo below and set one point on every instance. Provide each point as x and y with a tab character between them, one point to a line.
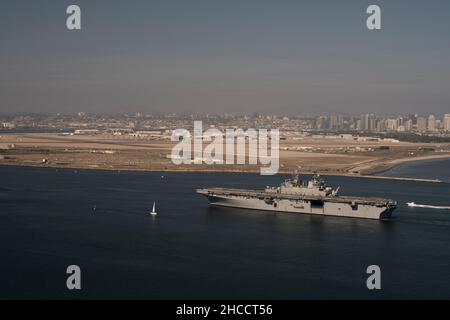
446	122
358	124
431	123
334	122
392	124
421	124
408	125
367	122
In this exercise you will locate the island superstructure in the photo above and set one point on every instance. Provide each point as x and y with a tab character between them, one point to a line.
311	197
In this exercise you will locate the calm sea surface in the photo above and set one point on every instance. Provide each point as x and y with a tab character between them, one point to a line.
190	250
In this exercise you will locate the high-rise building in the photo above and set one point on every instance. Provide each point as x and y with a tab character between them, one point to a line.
408	125
392	124
334	122
372	124
431	123
367	122
381	125
421	124
446	122
321	123
341	121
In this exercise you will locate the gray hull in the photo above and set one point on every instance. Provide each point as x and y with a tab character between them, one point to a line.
342	206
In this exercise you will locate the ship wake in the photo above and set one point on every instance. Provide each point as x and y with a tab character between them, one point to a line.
415	205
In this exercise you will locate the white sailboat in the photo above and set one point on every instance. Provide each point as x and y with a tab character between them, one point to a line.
153	212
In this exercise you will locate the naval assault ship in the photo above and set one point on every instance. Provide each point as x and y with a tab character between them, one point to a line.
294	195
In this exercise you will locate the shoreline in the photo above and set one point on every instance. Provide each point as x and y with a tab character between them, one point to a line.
368	171
384	166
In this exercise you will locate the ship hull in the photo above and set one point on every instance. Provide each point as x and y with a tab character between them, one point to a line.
304	206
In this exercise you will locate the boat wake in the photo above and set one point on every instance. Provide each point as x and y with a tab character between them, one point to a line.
414	205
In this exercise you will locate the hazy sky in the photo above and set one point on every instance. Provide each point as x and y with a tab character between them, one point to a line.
275	57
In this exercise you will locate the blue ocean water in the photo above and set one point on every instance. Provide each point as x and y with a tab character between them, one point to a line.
427	169
191	250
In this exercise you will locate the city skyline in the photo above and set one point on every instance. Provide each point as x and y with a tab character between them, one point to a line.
368	123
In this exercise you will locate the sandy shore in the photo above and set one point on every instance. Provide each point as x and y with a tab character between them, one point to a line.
380	166
107	152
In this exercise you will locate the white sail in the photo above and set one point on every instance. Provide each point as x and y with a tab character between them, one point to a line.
153	210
